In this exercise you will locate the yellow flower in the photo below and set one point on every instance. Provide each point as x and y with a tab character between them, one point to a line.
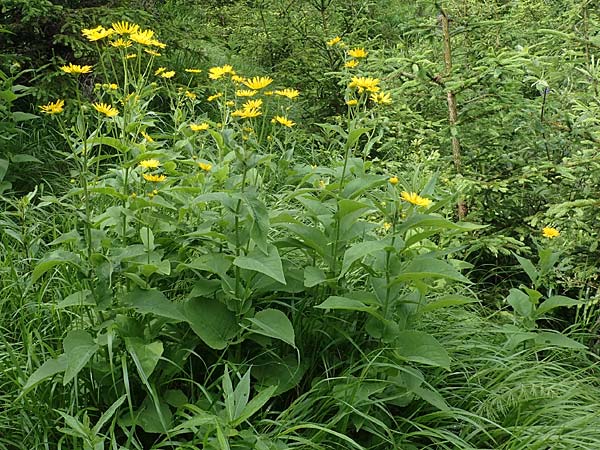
110	86
152	52
156	43
147	136
107	110
76	69
283	121
362	83
154	178
190	95
149	163
386	226
159	70
229	103
289	93
131	56
245	93
268	93
199	127
122	43
381	98
246	113
352	102
215	96
193	70
169	74
393	180
205	166
95	34
333	41
238	79
550	232
53	108
145	37
351	64
125	28
253	104
358	53
415	199
258	82
214	73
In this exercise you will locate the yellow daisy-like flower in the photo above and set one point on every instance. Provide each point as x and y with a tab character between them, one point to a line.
229	103
156	43
415	199
365	83
205	166
246	113
351	64
154	178
257	83
283	121
191	95
107	110
333	41
352	102
358	52
147	136
253	104
169	74
149	163
245	93
394	180
215	96
152	52
238	79
76	69
287	92
214	73
145	37
53	107
159	70
121	43
199	127
550	232
193	70
95	34
123	27
381	98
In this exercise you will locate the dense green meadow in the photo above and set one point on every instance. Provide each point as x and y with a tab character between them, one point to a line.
316	224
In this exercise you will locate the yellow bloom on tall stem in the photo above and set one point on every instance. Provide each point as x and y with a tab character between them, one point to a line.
121	43
95	34
333	41
154	178
257	83
253	104
107	110
283	121
193	70
53	107
245	93
152	52
287	92
150	164
199	127
145	37
205	166
76	69
381	98
415	199
394	180
358	53
169	74
214	73
365	83
215	96
125	28
550	232
246	113
351	64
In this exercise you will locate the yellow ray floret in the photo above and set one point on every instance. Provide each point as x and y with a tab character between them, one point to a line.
550	232
383	98
53	107
95	34
205	166
154	178
107	110
76	68
245	93
125	28
287	92
193	70
415	199
358	53
150	164
253	104
333	41
199	127
351	64
145	37
283	121
121	43
365	83
246	113
214	73
258	82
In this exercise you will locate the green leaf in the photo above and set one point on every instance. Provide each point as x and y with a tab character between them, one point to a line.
556	301
275	324
558	340
216	263
241	394
313	276
520	302
19	116
260	221
24	158
255	404
268	264
147	237
446	301
79	348
145	356
3	168
421	347
427	267
358	251
54	259
108	414
154	302
431	397
354	135
211	321
50	368
335	302
79	298
529	268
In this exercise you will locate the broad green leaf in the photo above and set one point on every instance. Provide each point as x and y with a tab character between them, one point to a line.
50	368
24	158
19	116
426	220
257	402
216	263
528	267
520	302
358	251
151	301
268	264
211	321
426	267
557	339
421	347
446	301
431	396
145	356
54	259
275	324
79	347
80	298
555	301
313	276
354	135
3	168
241	395
335	302
147	237
106	415
260	221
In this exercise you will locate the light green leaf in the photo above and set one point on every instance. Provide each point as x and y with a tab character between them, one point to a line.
558	340
528	267
145	356
358	251
431	397
556	301
50	368
275	324
255	404
520	302
269	264
421	347
313	276
354	135
108	414
260	221
151	301
211	321
427	267
335	302
54	259
241	395
19	116
147	237
79	348
79	298
448	300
